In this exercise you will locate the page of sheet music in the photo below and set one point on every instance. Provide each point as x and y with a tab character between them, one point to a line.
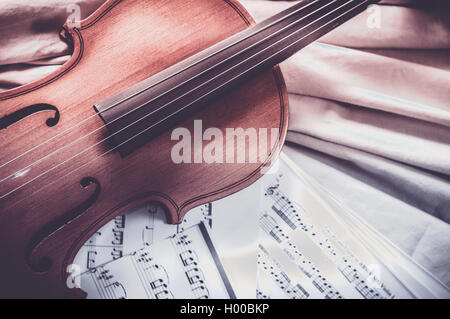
133	230
182	266
141	226
307	251
282	237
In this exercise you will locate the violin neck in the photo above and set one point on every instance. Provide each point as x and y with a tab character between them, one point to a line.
156	104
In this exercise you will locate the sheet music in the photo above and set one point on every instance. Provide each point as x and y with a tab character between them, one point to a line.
306	250
184	265
132	230
282	237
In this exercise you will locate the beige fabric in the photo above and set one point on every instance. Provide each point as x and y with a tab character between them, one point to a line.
373	105
30	46
381	91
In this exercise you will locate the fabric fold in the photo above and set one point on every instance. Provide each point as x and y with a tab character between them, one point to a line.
419	188
414	142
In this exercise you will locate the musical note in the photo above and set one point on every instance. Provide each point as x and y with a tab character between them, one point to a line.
134	229
169	268
279	277
116	253
107	287
207	214
119	221
188	257
261	295
118	237
326	288
91	254
153	276
147	235
295	218
270	226
283	207
190	262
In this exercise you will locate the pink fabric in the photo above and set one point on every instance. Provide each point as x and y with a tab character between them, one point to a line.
384	92
30	46
374	104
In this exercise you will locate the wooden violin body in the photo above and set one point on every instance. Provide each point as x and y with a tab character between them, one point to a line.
60	184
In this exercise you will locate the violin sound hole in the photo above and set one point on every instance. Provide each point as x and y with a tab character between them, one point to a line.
47	236
12	118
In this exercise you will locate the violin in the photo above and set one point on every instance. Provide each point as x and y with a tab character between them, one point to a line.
179	102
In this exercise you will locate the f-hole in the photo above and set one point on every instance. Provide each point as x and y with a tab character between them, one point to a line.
41	263
15	117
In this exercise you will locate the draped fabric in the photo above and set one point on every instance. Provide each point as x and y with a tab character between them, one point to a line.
381	97
369	108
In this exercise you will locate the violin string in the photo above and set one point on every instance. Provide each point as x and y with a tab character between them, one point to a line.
153	99
219	51
147	102
131	138
171	76
117	146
